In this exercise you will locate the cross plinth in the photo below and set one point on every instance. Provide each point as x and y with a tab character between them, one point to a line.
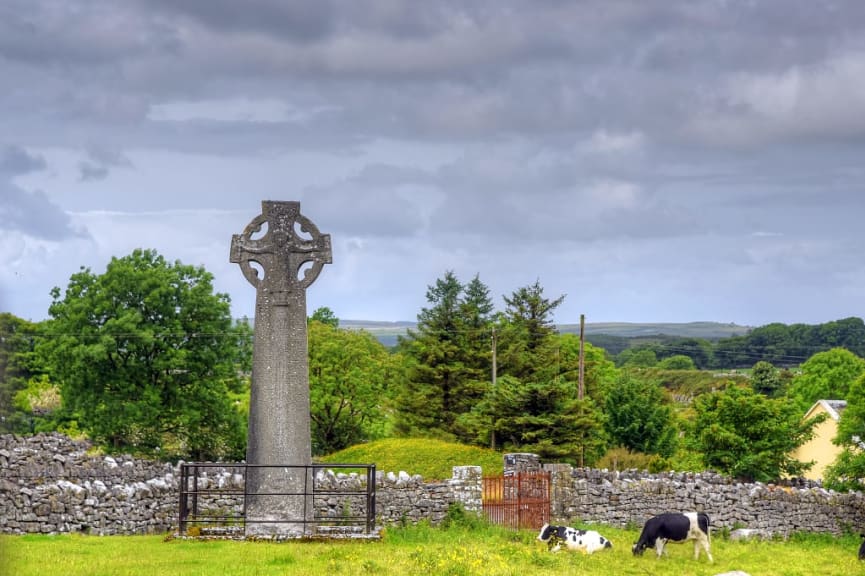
280	253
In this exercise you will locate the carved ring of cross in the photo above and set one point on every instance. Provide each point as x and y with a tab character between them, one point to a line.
281	252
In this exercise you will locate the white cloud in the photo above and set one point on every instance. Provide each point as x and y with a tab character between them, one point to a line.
33	266
823	100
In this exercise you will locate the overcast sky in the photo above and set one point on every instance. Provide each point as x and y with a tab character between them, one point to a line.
666	161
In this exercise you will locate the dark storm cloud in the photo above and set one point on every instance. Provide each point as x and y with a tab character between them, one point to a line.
92	171
71	34
31	213
15	160
431	70
304	21
514	193
99	163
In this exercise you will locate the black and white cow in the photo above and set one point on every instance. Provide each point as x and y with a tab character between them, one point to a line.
586	541
675	527
862	548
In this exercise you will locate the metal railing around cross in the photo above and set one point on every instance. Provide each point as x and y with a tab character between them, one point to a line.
213	498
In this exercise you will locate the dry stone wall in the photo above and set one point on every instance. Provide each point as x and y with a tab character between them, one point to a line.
49	484
630	497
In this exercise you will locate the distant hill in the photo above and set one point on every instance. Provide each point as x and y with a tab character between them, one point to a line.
376	325
707	330
387	332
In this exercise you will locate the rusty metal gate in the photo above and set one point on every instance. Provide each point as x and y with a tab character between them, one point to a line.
517	500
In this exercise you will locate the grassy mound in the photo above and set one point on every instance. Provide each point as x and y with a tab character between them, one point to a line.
432	459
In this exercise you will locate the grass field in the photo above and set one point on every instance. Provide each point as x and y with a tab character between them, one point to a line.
456	551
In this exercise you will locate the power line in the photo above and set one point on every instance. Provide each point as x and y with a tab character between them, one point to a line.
751	352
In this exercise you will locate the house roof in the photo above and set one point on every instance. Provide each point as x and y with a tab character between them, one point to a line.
832	407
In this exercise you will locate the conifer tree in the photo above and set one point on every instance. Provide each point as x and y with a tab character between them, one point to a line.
527	347
447	359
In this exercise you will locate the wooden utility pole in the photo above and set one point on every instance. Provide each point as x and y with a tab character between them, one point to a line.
581	390
494	370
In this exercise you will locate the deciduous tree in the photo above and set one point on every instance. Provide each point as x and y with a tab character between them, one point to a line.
677	362
598	371
145	354
749	436
326	316
765	379
639	417
637	358
848	470
349	373
698	350
19	363
825	376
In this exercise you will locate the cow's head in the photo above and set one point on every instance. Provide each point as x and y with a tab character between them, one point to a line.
547	532
640	547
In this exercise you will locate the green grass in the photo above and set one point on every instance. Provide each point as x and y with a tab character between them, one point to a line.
432	459
423	550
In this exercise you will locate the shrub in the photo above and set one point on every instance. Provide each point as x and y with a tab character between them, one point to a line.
621	458
458	517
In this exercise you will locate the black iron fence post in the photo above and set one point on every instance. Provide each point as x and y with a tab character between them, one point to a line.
370	499
184	510
195	490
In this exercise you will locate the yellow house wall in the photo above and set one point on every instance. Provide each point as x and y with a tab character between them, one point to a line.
820	448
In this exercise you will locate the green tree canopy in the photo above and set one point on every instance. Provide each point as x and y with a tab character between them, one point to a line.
146	355
788	345
748	436
825	376
349	373
637	358
848	470
766	380
544	418
533	416
846	333
526	346
639	417
598	371
535	405
19	363
326	316
677	362
699	350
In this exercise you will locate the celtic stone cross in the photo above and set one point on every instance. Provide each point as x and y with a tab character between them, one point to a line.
281	254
